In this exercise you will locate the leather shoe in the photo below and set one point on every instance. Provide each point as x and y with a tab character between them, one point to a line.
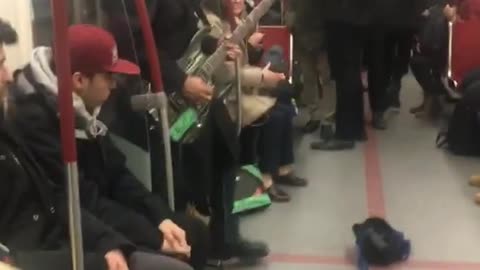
379	122
277	195
290	180
244	250
333	145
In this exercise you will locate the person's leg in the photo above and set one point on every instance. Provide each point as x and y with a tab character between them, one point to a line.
422	72
153	261
59	259
404	38
224	226
285	174
345	59
377	76
249	140
269	151
197	237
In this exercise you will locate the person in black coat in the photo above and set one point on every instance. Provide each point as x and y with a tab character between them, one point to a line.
107	188
401	22
345	24
33	219
208	166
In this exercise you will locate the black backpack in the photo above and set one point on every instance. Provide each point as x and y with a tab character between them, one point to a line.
462	136
379	244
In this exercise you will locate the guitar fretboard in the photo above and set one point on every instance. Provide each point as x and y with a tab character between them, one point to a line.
250	22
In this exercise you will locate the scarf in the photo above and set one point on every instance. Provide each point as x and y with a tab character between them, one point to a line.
43	74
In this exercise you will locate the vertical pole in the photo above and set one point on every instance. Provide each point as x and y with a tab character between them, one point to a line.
450	49
238	80
156	76
62	60
78	10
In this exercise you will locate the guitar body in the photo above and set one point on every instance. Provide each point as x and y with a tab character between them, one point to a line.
187	119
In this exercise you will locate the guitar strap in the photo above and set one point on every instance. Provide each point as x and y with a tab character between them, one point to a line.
200	13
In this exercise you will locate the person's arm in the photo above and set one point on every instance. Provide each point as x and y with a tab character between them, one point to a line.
101	237
126	188
173	76
42	136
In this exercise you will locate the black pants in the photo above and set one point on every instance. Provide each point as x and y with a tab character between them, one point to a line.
344	47
212	162
428	73
138	229
375	54
275	147
61	259
398	49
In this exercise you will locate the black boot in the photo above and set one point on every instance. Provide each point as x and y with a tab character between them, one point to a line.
246	250
379	122
394	93
333	145
326	131
311	126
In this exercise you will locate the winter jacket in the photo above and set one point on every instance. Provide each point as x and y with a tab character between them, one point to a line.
33	211
174	23
347	11
107	188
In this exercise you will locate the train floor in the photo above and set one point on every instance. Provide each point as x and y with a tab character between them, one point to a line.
399	174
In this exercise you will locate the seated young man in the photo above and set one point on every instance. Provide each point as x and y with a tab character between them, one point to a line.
33	219
107	188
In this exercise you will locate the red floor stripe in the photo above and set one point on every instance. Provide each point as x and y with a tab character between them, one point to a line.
373	177
305	259
339	261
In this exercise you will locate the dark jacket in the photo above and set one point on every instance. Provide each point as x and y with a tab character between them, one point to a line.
173	23
348	11
33	214
397	13
107	188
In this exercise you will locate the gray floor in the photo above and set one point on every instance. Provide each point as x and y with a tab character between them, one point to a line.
426	196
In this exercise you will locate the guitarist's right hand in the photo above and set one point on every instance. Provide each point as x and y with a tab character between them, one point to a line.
196	90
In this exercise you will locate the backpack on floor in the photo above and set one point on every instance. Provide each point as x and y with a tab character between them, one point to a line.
249	193
379	244
462	136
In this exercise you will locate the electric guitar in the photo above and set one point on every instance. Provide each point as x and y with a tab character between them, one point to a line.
187	119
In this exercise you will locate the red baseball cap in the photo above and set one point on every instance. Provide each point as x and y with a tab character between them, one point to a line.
94	50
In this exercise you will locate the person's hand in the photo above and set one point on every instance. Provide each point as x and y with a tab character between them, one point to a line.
233	51
172	233
197	90
270	78
256	39
5	266
450	12
116	260
182	252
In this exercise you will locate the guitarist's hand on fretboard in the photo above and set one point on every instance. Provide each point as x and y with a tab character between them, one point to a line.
197	90
233	51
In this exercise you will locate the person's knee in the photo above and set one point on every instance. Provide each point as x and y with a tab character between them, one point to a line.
152	261
198	238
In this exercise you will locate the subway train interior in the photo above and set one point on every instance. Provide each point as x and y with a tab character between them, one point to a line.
355	147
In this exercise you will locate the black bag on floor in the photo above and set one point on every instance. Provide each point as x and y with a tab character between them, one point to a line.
379	244
462	136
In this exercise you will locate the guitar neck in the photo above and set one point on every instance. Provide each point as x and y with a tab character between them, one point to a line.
239	34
